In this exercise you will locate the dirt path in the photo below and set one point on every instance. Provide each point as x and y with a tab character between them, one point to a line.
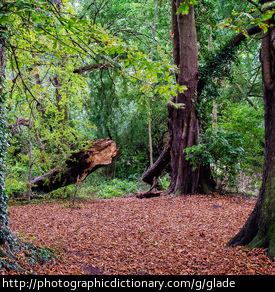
151	236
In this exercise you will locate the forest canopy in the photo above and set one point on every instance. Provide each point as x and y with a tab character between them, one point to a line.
154	98
66	83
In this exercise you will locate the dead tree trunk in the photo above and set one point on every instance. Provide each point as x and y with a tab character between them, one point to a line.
93	155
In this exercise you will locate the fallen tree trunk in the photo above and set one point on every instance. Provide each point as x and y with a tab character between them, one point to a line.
80	164
149	195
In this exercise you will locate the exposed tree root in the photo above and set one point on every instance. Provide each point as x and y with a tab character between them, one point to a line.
8	255
149	194
12	255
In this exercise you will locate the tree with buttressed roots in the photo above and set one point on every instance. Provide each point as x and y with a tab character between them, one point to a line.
183	123
259	229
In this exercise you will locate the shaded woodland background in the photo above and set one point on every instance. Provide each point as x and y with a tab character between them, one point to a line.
99	97
62	101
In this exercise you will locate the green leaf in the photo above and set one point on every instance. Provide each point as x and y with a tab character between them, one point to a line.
183	9
244	32
264	27
3	19
194	2
177	105
55	45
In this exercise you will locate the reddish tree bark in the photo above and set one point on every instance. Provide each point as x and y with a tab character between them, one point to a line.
183	125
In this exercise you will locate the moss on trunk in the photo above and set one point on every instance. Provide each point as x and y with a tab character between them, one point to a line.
266	239
259	229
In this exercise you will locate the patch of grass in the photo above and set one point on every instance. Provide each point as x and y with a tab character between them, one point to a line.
94	187
118	188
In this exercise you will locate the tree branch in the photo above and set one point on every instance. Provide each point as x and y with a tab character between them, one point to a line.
21	76
253	3
87	10
95	66
236	40
212	65
91	67
266	60
246	97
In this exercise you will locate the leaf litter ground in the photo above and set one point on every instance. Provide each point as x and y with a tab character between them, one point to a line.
165	235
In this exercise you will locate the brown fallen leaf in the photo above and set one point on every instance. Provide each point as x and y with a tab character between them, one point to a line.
150	236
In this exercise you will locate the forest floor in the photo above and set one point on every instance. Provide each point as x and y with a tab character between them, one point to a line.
126	235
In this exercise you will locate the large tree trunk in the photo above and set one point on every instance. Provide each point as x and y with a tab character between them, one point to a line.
183	125
80	164
259	229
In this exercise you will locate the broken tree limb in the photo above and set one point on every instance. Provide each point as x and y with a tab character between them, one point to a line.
206	182
78	165
149	195
158	166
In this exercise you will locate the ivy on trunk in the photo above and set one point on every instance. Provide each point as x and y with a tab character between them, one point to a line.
6	238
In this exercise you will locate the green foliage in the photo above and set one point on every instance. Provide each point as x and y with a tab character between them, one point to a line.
4	227
15	187
164	181
238	111
217	69
252	14
40	254
117	188
102	188
120	105
256	16
242	119
223	151
184	7
52	98
127	92
96	186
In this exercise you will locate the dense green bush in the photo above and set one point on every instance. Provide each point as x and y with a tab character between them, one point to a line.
222	150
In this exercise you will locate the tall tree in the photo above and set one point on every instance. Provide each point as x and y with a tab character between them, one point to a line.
259	229
183	124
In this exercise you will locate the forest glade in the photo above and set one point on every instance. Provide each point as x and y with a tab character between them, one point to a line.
102	99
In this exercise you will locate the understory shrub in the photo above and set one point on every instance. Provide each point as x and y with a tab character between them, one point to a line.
222	150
